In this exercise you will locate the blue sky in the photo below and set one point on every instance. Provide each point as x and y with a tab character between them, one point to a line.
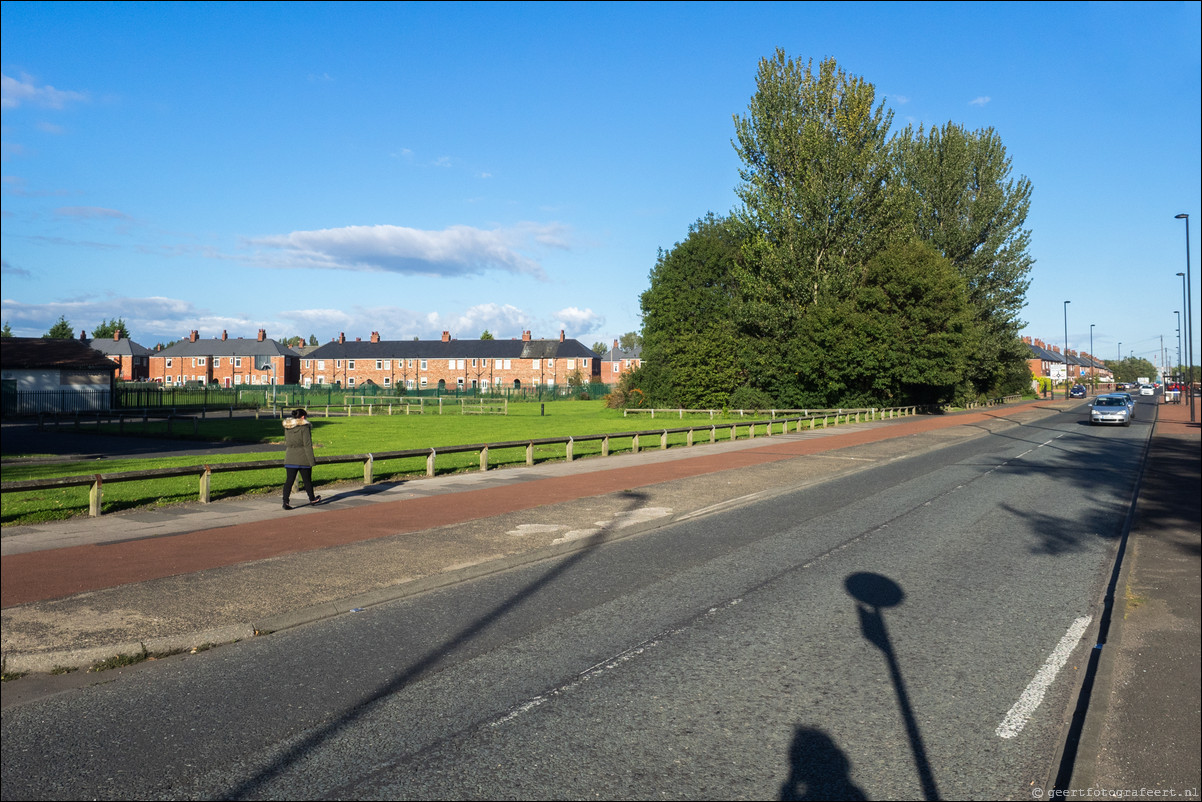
415	168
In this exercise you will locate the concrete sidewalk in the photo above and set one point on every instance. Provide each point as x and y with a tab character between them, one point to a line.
83	590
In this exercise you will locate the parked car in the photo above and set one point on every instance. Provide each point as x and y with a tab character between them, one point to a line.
1110	409
1078	391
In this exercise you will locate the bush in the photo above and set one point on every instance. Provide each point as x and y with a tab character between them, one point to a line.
750	398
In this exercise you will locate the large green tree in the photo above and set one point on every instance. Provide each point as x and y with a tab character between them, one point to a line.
906	334
690	341
959	195
108	328
60	331
815	194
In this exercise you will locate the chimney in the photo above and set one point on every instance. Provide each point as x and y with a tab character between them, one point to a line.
83	335
446	336
262	335
1027	340
525	336
194	336
117	336
375	336
224	334
341	337
615	345
561	335
358	339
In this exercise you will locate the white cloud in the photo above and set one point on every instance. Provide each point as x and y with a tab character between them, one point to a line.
579	321
455	251
979	101
16	92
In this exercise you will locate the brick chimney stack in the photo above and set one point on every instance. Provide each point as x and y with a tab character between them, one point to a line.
446	336
561	335
262	335
525	336
83	335
194	336
117	336
341	337
375	336
224	335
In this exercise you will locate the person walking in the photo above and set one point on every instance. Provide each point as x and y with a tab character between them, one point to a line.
298	458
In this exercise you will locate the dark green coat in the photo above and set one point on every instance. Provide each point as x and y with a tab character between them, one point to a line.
299	440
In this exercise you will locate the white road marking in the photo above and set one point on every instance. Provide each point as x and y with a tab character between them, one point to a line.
1023	709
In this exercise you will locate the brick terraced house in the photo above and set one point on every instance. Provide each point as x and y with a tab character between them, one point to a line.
617	362
132	360
450	364
229	362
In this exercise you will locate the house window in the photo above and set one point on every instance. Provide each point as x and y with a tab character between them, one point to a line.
584	362
350	382
409	384
508	364
571	364
321	379
308	382
498	364
387	382
423	368
450	364
321	364
379	364
201	361
410	363
350	364
617	367
550	364
460	364
534	364
238	379
216	361
459	382
473	363
423	382
168	361
237	361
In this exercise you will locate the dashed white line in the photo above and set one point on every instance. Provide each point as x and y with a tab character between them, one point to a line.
1018	716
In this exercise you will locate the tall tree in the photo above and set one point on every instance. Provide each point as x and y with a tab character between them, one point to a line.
108	328
959	195
312	339
815	182
7	331
486	335
630	341
906	334
690	341
60	331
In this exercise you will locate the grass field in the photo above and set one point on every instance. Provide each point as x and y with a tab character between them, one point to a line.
332	436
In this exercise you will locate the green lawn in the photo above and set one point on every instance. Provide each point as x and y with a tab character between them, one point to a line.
359	434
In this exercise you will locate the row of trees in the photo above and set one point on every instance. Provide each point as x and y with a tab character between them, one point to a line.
860	267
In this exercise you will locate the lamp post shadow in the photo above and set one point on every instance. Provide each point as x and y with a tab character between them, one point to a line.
873	593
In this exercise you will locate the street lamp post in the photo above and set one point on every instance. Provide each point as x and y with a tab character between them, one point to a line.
1178	314
1066	384
1189	320
1093	372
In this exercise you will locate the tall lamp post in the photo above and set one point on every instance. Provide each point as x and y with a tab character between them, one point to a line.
1178	314
1093	372
1066	384
1189	320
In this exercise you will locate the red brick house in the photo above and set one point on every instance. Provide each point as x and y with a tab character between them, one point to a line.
132	360
449	364
617	362
229	362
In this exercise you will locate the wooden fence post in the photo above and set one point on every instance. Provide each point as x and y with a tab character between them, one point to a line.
569	449
204	485
369	465
95	496
484	459
663	440
430	463
605	446
530	453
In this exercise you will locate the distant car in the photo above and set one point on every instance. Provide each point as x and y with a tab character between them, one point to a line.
1078	391
1110	409
1147	389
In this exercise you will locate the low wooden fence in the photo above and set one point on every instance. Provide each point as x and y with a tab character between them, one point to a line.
639	440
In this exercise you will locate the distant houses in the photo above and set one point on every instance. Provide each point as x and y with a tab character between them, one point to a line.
1049	362
225	361
617	361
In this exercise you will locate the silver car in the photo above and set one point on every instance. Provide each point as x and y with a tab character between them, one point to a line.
1110	409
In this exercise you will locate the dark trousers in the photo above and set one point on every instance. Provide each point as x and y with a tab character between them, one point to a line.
306	477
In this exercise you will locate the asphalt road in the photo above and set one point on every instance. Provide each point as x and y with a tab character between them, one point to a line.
886	634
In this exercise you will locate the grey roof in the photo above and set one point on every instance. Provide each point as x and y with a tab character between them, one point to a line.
617	354
233	346
40	353
454	349
122	347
